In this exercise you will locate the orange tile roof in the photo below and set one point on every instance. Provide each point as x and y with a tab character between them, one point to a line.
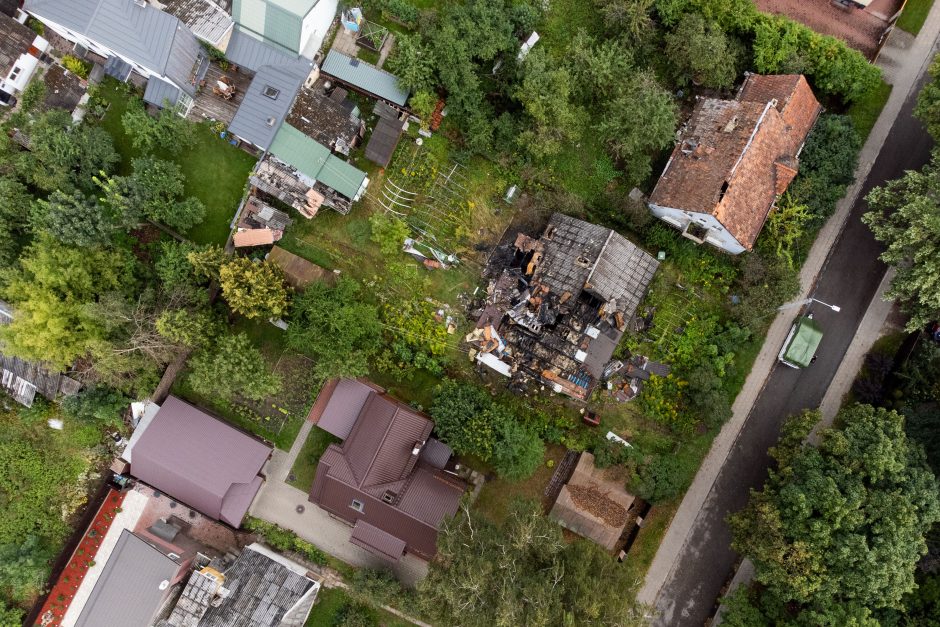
253	237
736	156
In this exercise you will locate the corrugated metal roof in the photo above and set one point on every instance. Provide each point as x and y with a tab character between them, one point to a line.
248	51
366	77
377	542
431	496
267	102
159	92
198	459
436	453
128	592
346	399
145	35
316	161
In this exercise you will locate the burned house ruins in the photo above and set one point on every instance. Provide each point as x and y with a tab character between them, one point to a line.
557	306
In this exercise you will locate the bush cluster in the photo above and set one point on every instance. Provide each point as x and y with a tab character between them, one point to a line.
284	540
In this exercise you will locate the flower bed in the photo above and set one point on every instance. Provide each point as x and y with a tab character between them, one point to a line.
62	593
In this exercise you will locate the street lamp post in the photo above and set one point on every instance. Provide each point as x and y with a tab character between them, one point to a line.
807	301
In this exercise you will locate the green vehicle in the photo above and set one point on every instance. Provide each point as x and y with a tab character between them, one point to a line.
799	349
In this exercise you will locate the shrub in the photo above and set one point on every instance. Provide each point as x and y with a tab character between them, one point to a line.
76	66
389	233
660	480
518	451
284	540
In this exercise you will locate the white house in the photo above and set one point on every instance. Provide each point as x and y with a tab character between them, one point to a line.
734	159
294	26
20	49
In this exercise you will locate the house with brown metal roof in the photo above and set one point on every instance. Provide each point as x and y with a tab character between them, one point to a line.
734	159
199	460
388	478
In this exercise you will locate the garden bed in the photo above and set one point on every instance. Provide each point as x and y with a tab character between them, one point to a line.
62	593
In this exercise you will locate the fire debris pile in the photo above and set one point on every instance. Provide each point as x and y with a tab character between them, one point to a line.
557	306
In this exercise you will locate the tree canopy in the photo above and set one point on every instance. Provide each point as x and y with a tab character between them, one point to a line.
521	572
335	327
232	367
254	290
905	217
840	527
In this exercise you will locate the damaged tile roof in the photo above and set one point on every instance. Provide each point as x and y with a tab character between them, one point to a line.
735	157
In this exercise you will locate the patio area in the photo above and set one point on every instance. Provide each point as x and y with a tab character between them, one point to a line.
209	106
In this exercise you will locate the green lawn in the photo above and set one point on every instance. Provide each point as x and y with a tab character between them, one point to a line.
305	468
498	494
914	14
216	172
330	603
865	112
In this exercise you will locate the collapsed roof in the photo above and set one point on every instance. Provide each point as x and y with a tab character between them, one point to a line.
557	310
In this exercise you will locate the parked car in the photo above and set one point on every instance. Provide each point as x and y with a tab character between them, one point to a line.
799	349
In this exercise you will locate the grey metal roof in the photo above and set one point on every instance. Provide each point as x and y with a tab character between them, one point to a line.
245	50
118	68
127	593
200	460
149	37
259	117
366	77
158	92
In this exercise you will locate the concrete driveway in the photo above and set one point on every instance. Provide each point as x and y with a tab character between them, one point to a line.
277	502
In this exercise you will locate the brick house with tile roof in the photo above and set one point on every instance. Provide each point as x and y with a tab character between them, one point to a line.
734	159
388	477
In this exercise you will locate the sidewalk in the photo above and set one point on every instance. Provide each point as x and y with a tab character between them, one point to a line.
903	59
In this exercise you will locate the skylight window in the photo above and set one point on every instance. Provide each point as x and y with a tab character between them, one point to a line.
271	92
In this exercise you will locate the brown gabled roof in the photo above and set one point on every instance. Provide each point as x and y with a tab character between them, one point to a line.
736	156
403	494
200	460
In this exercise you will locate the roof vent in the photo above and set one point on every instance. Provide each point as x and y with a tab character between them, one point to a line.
689	145
163	584
140	3
270	121
389	497
271	92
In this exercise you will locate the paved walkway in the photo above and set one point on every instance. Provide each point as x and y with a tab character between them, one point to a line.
277	502
292	455
903	60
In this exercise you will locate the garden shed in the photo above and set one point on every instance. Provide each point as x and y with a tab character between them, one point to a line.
592	504
364	78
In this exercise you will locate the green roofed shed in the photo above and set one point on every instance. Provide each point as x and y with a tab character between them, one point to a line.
802	343
316	161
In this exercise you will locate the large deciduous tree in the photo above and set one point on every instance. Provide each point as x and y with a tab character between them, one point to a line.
64	154
155	190
232	367
53	291
521	572
166	131
839	527
928	101
76	219
254	290
336	327
905	217
702	53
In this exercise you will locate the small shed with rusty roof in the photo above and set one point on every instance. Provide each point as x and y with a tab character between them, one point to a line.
592	504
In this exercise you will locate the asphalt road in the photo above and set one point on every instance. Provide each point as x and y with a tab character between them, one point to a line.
848	279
